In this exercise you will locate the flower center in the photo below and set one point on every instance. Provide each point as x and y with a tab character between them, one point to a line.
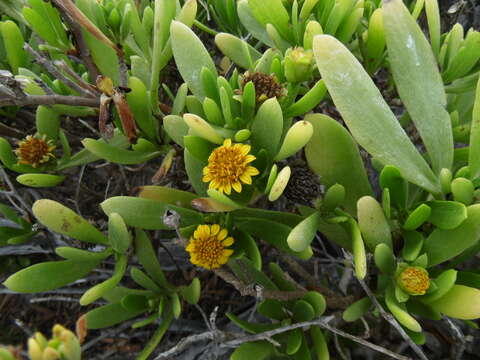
209	250
415	280
227	164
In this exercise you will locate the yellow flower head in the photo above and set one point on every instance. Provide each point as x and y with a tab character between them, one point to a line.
228	167
414	280
34	151
207	246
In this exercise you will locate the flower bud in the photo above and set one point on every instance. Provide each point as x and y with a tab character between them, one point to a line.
297	137
50	354
70	347
202	128
35	351
242	135
280	183
462	190
414	280
298	64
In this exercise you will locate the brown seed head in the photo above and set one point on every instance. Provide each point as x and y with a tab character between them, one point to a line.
266	86
34	151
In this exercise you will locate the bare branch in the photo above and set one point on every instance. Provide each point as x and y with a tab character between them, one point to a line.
51	100
225	339
50	67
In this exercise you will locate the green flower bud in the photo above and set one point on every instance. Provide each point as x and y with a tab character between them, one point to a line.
298	64
297	137
50	354
35	351
462	190
445	180
280	184
202	128
114	19
242	135
70	347
414	280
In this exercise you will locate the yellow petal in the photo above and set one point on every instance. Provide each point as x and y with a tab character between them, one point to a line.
245	150
227	188
252	171
237	186
246	179
249	159
228	241
204	231
223	260
227	142
227	252
222	234
215	228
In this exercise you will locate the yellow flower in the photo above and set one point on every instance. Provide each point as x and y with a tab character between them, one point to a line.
34	151
414	280
228	167
207	246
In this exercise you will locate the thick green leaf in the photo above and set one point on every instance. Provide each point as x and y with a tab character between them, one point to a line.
447	214
272	12
302	235
99	290
372	222
194	170
49	275
237	50
251	24
366	113
167	195
184	44
317	301
474	153
145	213
61	219
415	71
118	235
443	245
192	292
246	271
148	258
333	155
417	217
259	350
357	309
461	302
443	282
176	128
109	315
271	232
384	259
267	127
40	180
117	155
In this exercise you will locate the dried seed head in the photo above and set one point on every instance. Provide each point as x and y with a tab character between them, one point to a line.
303	187
266	86
34	151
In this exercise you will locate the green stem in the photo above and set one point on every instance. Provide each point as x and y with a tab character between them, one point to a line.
205	28
157	337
